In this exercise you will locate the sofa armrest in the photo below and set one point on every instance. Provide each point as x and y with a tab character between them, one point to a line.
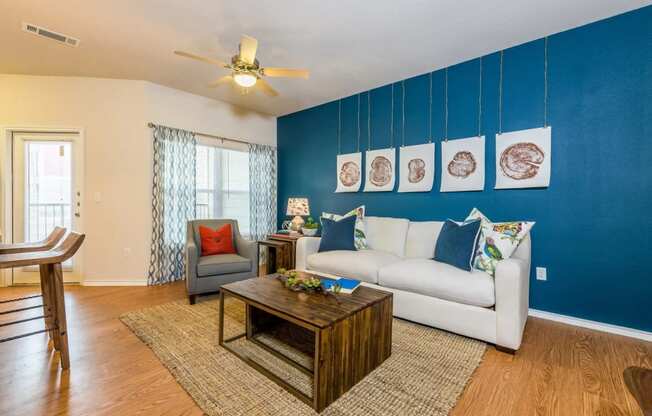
512	286
305	247
249	249
192	254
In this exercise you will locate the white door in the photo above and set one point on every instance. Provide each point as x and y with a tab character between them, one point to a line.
47	178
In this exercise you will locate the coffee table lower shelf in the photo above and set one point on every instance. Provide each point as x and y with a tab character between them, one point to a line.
335	357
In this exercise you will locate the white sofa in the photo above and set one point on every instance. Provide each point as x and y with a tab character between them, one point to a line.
399	260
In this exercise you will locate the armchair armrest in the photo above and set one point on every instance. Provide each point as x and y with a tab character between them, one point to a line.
512	286
249	249
305	247
192	254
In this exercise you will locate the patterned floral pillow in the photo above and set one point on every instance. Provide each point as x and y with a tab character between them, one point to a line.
498	240
359	236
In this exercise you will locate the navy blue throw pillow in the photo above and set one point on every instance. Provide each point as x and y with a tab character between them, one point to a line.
456	244
337	235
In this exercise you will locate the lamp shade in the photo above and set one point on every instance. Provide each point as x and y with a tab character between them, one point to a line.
298	206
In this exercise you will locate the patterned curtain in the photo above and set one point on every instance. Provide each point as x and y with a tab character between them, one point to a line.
173	202
262	190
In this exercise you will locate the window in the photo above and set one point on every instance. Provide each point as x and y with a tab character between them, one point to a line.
223	185
48	182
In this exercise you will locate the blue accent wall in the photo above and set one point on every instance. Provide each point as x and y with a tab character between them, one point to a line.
594	222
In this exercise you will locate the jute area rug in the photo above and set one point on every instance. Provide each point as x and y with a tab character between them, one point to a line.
425	375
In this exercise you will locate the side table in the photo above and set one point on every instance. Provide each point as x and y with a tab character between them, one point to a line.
279	254
281	251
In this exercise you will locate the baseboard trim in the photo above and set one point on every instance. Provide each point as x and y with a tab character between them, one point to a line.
598	326
115	283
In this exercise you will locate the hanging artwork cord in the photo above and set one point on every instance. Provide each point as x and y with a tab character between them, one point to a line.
349	177
463	167
417	162
523	157
380	163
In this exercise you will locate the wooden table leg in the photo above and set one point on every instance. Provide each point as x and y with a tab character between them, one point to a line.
221	318
248	324
60	320
48	305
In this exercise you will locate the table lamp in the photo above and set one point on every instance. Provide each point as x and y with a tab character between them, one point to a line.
297	207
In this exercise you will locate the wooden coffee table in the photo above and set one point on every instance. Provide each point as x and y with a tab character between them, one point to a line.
347	335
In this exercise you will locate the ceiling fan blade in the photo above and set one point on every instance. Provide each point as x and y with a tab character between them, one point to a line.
201	58
286	72
266	88
248	47
222	80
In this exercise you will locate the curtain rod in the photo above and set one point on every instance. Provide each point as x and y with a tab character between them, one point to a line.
152	125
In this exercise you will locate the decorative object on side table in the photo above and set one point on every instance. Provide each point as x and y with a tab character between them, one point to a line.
298	207
310	228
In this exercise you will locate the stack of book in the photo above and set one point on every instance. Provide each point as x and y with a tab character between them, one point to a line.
347	286
284	236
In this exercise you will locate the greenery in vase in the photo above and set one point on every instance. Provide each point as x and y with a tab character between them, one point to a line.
293	281
311	224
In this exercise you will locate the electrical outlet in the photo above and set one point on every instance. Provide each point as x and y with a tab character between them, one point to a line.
542	273
126	251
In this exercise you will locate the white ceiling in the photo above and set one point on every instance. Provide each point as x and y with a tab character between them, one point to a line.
349	46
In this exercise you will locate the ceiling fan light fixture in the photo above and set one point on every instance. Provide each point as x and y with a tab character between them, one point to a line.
245	79
245	70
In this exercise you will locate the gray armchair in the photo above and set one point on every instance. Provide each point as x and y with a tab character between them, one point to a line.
207	274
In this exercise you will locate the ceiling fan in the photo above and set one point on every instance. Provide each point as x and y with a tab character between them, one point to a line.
246	70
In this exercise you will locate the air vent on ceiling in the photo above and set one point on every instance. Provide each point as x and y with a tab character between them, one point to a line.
41	31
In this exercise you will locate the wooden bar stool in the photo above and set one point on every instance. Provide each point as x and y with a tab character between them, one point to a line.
50	241
54	307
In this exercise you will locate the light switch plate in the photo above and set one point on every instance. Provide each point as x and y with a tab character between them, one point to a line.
542	273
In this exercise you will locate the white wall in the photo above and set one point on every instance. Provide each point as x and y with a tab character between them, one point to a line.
118	152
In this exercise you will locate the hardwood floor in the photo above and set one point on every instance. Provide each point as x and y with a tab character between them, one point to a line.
560	370
112	372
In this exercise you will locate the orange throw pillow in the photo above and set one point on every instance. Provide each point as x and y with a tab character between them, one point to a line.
218	241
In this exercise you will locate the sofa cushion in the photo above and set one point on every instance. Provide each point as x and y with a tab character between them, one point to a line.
387	234
218	241
360	236
439	280
421	239
222	264
337	235
362	264
497	241
456	243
